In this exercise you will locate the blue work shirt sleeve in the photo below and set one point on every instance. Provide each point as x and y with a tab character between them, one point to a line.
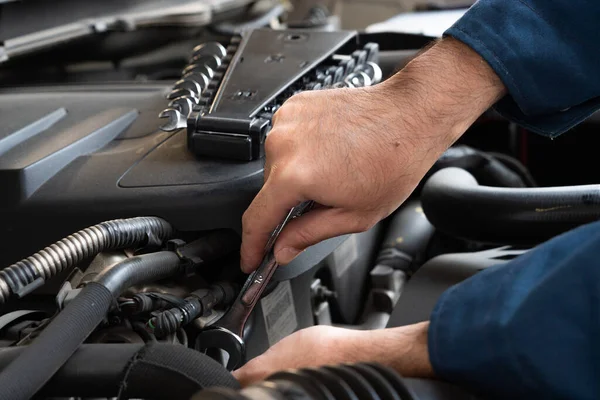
529	328
545	52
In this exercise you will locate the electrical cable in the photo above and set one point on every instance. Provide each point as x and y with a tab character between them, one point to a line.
29	274
26	375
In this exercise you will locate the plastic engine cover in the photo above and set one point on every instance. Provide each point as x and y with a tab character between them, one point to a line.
74	156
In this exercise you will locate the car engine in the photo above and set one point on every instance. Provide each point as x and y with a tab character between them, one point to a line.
131	143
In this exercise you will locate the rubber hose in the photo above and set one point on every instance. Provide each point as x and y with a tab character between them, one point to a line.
132	371
26	275
61	338
455	204
516	166
197	304
407	237
486	169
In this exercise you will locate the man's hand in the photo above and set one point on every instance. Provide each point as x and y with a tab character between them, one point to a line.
404	349
359	153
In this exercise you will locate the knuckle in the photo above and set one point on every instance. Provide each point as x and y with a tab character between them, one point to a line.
281	114
296	174
272	142
279	141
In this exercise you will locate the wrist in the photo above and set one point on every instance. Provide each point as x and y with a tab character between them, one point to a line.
445	89
403	349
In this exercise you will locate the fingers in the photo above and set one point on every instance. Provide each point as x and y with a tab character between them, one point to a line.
309	347
268	209
316	226
254	371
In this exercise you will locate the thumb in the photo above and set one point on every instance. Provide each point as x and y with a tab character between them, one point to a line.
316	226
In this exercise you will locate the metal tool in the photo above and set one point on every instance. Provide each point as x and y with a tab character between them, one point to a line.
360	57
336	72
188	84
176	120
373	70
175	93
183	104
372	50
210	48
198	69
200	79
227	334
210	61
359	79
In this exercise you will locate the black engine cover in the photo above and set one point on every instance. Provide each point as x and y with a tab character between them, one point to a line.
74	156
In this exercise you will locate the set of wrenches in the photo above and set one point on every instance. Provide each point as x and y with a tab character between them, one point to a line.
202	71
359	69
202	76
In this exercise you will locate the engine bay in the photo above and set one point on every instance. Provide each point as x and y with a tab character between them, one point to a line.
129	153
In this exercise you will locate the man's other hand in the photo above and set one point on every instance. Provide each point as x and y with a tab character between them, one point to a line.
359	153
404	349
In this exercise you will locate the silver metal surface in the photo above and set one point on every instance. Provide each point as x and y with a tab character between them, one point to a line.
181	92
211	61
373	70
198	69
176	120
209	48
200	79
188	84
342	84
359	79
182	104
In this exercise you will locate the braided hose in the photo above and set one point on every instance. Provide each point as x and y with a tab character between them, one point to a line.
26	275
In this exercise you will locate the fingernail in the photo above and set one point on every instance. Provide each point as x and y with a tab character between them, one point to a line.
286	255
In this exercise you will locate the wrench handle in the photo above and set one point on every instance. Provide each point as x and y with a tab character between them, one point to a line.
258	281
235	319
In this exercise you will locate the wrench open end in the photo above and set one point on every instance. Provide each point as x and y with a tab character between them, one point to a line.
176	120
227	333
216	337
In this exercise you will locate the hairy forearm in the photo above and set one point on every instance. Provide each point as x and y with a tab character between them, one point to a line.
448	86
432	102
403	349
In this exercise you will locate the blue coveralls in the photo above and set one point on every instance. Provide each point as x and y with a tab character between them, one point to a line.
531	328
